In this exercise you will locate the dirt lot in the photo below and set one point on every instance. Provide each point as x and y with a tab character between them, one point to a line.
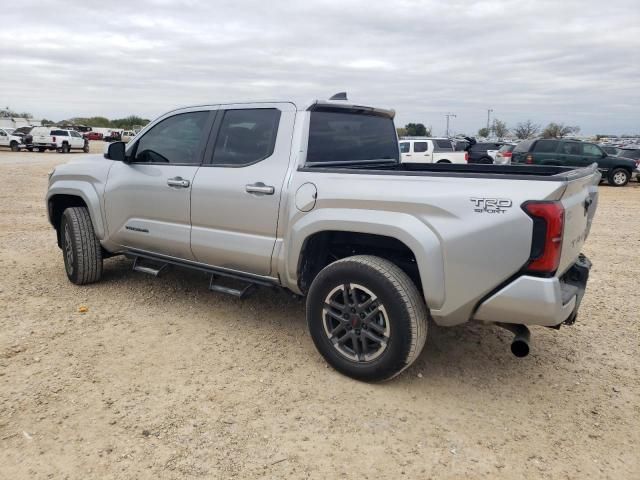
162	379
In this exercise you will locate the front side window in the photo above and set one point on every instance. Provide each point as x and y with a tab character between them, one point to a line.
404	147
420	147
545	146
350	136
591	150
76	134
246	136
175	140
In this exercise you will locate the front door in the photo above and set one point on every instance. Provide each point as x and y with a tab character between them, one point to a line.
147	201
236	193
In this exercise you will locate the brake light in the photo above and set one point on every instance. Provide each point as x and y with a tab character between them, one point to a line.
466	157
529	159
53	139
546	245
507	154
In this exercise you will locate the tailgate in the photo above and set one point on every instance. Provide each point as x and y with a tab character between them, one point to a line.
580	200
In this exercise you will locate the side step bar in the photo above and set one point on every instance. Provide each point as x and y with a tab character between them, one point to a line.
151	268
156	265
240	293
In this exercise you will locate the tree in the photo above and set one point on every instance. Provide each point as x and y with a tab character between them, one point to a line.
499	128
559	130
526	129
402	132
416	130
47	123
483	132
129	122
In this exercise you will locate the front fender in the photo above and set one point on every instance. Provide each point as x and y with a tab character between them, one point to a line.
87	192
416	235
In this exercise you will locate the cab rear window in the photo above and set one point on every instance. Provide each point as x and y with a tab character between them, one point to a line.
346	136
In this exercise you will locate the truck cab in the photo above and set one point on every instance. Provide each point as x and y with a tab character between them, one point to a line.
430	150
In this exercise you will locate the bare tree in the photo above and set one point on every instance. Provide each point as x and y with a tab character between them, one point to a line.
499	128
526	130
559	130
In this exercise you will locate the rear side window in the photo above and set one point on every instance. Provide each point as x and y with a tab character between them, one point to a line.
346	136
174	140
635	154
246	136
59	133
420	147
546	146
404	147
523	146
444	145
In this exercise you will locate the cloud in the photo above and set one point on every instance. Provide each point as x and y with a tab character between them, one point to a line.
571	61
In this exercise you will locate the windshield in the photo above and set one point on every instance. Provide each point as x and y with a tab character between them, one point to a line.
351	137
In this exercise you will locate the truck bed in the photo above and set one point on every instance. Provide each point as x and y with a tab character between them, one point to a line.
507	172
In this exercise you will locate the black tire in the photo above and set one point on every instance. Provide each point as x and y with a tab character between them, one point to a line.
80	248
65	148
30	149
398	314
15	147
85	149
41	149
443	161
618	177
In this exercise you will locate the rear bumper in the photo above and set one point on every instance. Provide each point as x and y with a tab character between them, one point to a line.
538	301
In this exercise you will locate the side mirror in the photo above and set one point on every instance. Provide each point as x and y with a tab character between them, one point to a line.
115	151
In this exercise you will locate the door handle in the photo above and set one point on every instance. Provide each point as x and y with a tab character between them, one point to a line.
178	182
261	188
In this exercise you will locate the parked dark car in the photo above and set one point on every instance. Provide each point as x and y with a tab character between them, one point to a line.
478	152
617	170
632	153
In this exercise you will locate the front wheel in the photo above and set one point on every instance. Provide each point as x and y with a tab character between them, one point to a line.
85	148
15	147
80	247
65	148
619	177
366	317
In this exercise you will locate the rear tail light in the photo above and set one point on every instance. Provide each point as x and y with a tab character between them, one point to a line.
546	245
529	159
54	139
466	157
507	154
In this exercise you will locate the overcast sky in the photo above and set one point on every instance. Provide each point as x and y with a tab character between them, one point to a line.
576	62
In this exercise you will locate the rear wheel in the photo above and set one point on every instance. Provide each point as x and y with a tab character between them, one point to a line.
41	149
366	317
619	177
443	161
65	148
80	247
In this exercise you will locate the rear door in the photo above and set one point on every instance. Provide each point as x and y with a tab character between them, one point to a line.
546	152
422	151
148	201
236	194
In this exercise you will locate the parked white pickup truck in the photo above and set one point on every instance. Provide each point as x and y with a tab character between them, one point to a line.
7	139
430	150
312	198
63	141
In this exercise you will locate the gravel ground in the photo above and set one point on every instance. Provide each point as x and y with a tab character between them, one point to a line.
162	379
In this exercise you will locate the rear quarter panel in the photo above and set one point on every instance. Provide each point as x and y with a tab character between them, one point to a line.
462	253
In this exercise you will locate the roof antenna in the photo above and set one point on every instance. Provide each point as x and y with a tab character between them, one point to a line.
340	96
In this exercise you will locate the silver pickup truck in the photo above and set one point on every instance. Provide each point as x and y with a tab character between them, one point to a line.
313	199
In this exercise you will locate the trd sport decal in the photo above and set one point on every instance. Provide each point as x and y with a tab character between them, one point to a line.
491	205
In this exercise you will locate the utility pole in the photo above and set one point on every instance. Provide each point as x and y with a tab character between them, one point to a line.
489	111
449	115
